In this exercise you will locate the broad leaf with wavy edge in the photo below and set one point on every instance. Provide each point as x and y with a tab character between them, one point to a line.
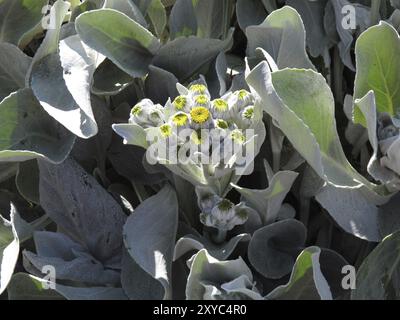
61	75
283	36
273	249
306	281
184	56
11	234
209	274
378	69
302	105
24	286
50	43
192	242
378	276
84	210
125	42
14	64
17	17
268	201
28	132
149	235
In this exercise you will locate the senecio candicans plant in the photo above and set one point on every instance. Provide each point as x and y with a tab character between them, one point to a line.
208	149
208	142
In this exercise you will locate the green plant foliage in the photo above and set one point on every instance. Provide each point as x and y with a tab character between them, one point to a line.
199	149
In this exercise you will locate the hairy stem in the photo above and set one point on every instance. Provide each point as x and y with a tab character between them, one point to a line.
375	8
337	76
228	9
304	213
270	5
220	236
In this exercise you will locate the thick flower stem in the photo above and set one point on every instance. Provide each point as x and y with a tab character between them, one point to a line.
305	210
337	76
270	6
220	236
228	10
375	8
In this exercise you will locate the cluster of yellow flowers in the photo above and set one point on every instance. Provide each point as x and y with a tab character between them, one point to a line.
194	109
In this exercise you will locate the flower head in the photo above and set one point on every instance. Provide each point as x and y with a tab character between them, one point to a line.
206	199
136	110
202	100
246	117
240	100
192	119
180	120
200	117
220	109
248	113
224	215
197	89
166	130
386	127
221	124
243	94
146	114
180	103
238	136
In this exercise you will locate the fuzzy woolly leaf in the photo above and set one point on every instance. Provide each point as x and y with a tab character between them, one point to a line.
70	197
282	35
14	65
28	132
17	17
274	248
302	105
306	281
125	42
149	236
378	276
378	69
